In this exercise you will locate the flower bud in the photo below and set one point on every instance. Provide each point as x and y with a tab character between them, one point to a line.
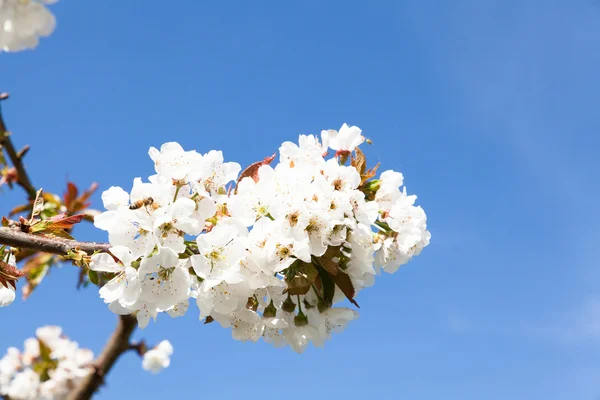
373	185
307	305
300	319
270	311
288	305
252	304
321	306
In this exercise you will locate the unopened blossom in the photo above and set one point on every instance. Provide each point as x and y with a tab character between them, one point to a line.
158	358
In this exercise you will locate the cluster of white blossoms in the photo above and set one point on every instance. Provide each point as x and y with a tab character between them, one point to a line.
266	253
158	358
23	23
48	368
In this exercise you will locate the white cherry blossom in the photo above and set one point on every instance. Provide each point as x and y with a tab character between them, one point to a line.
23	23
158	358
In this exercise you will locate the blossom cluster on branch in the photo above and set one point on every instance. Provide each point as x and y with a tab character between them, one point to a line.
267	252
48	368
23	23
51	365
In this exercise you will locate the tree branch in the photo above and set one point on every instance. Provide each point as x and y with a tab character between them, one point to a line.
15	238
15	157
116	346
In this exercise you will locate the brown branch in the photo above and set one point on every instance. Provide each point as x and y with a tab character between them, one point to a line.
119	342
116	346
15	157
15	238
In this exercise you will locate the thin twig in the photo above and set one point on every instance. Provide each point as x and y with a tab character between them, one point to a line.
119	342
15	157
116	346
15	238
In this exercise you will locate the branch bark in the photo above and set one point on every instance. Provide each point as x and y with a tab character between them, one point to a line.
118	344
16	158
15	238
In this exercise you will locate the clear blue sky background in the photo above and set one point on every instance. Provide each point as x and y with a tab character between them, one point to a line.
489	108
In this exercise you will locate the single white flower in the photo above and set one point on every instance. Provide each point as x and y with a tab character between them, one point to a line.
23	23
125	287
158	358
346	140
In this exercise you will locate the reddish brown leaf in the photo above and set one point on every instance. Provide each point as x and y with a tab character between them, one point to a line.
342	281
9	274
55	224
88	193
252	170
75	202
326	260
359	162
70	195
62	221
301	283
334	273
369	174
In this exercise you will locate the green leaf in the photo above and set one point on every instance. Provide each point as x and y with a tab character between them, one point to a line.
40	226
93	277
58	233
36	269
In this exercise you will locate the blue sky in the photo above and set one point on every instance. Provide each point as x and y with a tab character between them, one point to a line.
489	108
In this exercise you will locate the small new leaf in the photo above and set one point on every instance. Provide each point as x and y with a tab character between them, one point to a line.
302	281
369	174
252	170
93	276
359	161
62	221
38	205
9	275
36	269
56	226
